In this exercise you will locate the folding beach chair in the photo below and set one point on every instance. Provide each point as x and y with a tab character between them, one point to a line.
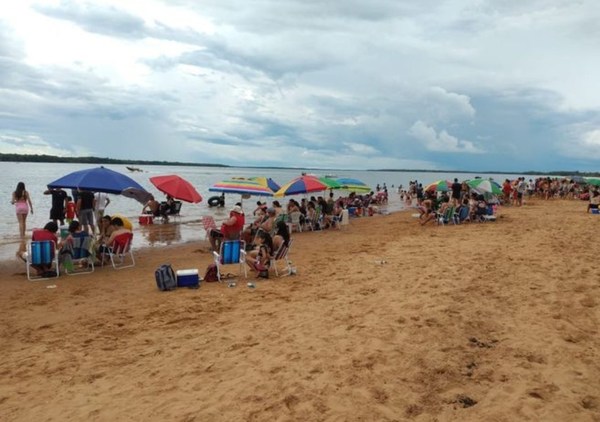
294	221
449	216
231	252
281	254
341	220
175	209
42	254
120	252
77	256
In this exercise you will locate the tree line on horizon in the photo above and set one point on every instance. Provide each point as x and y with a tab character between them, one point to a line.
44	158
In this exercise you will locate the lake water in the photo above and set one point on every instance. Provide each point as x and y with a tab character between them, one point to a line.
189	227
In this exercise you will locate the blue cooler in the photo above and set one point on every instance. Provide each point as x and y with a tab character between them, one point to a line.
188	278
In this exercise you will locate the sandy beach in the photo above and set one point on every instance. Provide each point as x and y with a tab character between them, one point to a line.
385	321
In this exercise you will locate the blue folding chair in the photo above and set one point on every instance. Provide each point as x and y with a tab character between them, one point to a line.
231	252
42	256
77	256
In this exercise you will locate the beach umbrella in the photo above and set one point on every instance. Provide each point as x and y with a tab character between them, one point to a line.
439	185
353	185
593	180
241	186
140	195
300	185
97	179
177	187
330	182
264	181
485	186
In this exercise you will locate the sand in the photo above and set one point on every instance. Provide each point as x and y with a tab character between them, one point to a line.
385	320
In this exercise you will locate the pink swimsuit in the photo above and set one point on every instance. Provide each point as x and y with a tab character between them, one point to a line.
21	207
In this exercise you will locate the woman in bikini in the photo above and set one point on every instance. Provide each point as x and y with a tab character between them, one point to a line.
21	200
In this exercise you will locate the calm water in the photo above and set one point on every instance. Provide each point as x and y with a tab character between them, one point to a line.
188	228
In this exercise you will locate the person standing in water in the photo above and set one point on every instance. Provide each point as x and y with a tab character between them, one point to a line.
22	203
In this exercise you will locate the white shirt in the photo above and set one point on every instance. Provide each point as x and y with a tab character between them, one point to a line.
101	200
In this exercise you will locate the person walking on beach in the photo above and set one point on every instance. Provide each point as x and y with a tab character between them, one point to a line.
22	202
59	200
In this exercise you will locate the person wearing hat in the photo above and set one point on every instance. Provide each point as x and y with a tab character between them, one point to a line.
230	228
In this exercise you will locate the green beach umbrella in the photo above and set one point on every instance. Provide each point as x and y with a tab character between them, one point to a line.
439	186
330	183
485	186
592	180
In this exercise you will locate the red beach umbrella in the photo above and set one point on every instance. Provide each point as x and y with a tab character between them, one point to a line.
177	187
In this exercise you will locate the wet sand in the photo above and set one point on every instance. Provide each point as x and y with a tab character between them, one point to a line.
385	320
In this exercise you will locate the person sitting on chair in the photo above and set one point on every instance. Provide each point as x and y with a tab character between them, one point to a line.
153	207
117	229
47	233
258	258
282	235
66	251
230	229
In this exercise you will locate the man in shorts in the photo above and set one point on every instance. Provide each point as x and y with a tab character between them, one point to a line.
85	210
59	201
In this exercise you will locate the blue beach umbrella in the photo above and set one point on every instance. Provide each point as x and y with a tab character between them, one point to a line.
97	179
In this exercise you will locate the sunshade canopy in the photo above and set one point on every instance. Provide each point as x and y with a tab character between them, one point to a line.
301	185
97	179
241	186
177	187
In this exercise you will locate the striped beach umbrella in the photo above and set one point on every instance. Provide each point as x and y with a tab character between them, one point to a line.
301	185
264	181
485	186
353	185
439	186
241	186
592	180
330	182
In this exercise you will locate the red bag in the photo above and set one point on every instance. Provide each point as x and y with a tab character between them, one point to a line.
211	274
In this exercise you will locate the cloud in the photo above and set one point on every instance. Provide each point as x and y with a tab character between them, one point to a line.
442	141
306	82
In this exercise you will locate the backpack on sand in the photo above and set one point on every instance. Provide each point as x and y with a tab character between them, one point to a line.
165	278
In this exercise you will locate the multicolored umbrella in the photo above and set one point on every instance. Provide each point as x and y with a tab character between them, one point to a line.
177	187
353	185
303	184
264	181
485	186
97	179
241	186
439	185
330	182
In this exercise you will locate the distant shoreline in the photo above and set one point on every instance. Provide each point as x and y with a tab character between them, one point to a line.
43	158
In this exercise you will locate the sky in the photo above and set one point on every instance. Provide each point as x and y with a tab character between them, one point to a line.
471	85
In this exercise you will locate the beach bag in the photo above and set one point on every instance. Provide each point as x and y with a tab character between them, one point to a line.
165	278
211	274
